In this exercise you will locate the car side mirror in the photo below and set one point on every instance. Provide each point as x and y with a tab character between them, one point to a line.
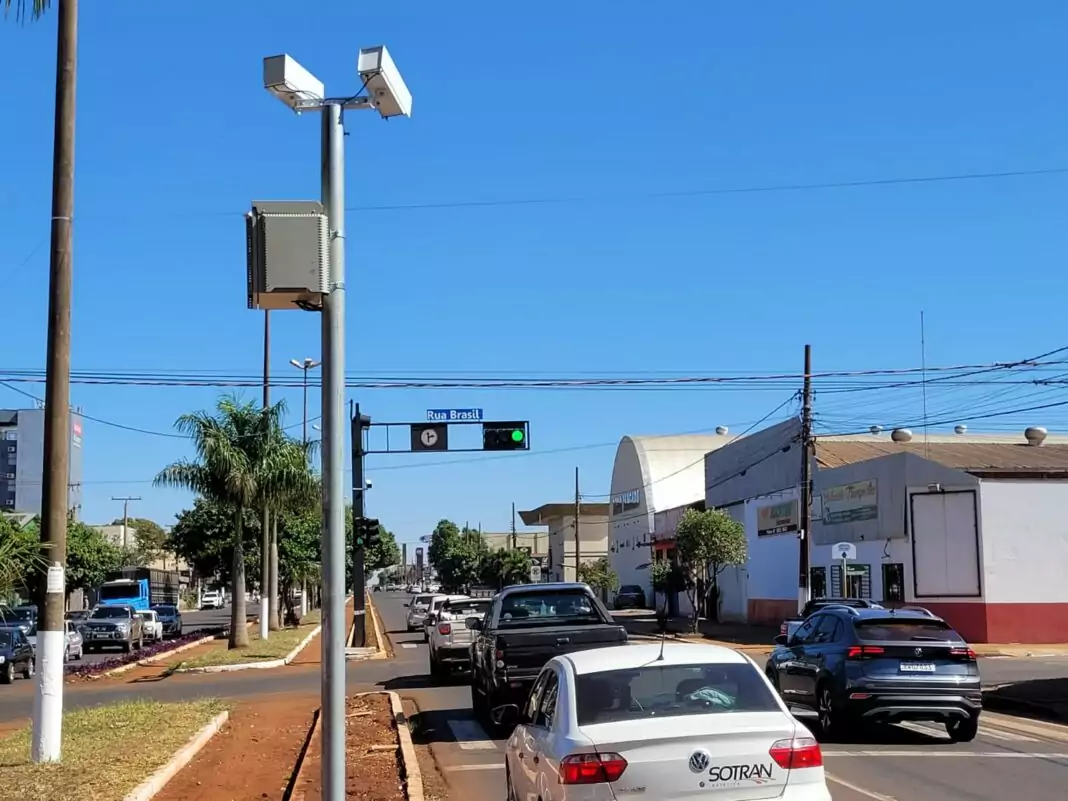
474	623
505	715
781	639
407	605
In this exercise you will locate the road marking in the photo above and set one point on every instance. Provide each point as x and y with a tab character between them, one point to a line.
470	736
408	645
859	790
947	754
465	768
932	730
1040	728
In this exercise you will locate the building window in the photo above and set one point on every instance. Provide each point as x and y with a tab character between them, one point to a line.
858	581
894	582
818	582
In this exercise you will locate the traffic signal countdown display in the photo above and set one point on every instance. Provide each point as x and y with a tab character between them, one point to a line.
509	436
365	532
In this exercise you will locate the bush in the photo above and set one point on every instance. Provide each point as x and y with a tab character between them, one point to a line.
149	651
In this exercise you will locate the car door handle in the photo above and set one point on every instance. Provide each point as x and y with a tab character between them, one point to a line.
521	755
563	640
536	759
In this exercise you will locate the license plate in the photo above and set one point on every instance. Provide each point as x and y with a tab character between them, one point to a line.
917	667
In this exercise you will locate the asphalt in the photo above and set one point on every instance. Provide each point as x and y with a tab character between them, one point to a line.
1018	758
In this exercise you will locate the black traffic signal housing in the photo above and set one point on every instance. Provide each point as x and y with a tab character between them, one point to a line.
365	532
505	436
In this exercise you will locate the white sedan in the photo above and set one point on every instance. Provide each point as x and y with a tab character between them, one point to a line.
152	625
671	722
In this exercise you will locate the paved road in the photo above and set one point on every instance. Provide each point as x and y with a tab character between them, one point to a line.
1011	758
191	622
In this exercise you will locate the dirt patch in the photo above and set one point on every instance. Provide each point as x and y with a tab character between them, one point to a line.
254	756
373	755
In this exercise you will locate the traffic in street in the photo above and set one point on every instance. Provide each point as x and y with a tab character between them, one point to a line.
1010	756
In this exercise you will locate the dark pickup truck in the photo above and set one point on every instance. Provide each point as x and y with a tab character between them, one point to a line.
525	627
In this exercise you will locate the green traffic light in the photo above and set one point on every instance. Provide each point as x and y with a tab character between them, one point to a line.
517	435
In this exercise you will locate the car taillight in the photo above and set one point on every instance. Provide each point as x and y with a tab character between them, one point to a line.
783	629
591	768
862	651
799	752
967	653
444	628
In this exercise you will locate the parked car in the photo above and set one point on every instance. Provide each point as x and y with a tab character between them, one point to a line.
434	610
171	618
113	625
450	638
417	610
211	599
880	665
16	655
791	624
630	596
153	626
75	643
526	626
682	720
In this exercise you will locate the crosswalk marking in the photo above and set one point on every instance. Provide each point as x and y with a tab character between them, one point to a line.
933	730
470	736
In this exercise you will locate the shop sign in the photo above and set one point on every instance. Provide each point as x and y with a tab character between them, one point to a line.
851	503
625	501
778	518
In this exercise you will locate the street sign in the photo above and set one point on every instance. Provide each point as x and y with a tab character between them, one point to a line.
844	550
454	415
535	573
430	437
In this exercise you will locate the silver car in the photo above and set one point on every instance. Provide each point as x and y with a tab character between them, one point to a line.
75	645
417	610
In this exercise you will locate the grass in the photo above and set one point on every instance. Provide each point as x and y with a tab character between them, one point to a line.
107	750
277	646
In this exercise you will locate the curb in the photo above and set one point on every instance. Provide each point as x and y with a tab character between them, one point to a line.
290	792
153	659
413	784
265	665
354	654
158	780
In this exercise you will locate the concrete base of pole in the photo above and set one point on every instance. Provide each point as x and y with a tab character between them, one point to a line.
48	702
265	616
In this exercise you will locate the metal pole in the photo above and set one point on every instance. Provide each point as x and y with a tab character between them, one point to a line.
48	700
265	521
333	467
578	511
804	539
306	403
359	507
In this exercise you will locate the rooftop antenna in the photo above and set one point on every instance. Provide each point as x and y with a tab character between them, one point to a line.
923	384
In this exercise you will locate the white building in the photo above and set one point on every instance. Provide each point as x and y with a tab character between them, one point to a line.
652	474
22	461
560	520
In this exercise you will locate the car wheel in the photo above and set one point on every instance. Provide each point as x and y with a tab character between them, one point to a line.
7	673
773	677
830	715
963	731
27	672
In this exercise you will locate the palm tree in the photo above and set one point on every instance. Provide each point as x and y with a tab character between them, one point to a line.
240	461
37	8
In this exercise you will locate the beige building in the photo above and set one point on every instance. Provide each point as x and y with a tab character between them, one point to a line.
536	541
559	518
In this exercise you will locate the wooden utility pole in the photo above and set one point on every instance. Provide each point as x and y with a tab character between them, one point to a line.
266	601
125	518
578	511
804	535
514	543
51	637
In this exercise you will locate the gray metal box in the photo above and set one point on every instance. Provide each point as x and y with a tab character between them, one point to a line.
288	254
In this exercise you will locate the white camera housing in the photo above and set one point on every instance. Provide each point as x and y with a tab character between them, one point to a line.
286	79
387	89
368	484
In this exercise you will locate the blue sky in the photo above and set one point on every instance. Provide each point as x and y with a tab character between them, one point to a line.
605	102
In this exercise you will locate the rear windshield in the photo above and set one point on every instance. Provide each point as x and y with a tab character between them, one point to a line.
115	591
671	691
110	612
630	588
551	607
166	610
890	630
467	608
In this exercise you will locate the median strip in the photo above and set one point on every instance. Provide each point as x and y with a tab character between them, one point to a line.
280	649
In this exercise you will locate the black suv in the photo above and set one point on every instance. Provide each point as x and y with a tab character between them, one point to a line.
879	665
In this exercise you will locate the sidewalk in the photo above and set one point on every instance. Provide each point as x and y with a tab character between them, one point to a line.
1046	698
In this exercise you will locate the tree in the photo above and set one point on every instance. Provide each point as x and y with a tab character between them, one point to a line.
239	461
599	575
708	542
444	537
203	536
21	557
384	553
505	567
300	554
150	540
37	8
90	557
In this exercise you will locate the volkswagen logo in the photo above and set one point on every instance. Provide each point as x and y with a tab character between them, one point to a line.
918	652
699	761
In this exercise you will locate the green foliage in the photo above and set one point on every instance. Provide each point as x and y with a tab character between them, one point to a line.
150	540
384	553
90	557
599	575
708	542
659	573
505	567
445	536
36	8
21	557
203	536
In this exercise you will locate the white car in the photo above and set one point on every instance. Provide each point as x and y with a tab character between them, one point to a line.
450	639
681	720
433	611
211	599
417	610
75	646
152	625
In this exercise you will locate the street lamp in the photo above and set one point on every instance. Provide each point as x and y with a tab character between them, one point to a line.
301	91
306	365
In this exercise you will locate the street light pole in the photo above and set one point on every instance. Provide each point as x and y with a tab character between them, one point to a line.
305	366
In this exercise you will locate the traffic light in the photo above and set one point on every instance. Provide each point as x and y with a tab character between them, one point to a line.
510	436
365	532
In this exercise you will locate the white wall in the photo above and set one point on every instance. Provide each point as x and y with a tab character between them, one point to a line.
1025	541
593	531
772	567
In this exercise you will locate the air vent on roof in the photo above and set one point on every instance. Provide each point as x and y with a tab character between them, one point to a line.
1035	435
901	435
876	430
721	430
959	429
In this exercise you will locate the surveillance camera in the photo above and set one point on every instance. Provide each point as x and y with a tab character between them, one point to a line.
367	484
384	83
287	80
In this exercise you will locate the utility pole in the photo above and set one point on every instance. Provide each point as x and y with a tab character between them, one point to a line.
125	518
359	508
578	510
266	602
514	543
46	743
804	538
